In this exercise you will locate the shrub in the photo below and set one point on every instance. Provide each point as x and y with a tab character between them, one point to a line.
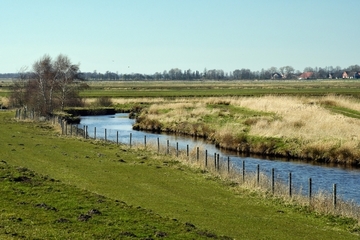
103	102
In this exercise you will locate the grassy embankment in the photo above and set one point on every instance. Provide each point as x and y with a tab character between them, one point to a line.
97	177
321	129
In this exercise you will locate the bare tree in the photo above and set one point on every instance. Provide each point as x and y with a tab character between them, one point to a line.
18	95
49	86
66	73
287	71
44	75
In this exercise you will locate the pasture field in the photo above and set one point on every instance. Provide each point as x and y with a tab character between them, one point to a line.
116	89
50	182
130	89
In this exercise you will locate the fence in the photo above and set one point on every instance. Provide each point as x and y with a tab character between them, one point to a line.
224	167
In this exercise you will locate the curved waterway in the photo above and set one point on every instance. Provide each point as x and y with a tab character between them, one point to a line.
119	128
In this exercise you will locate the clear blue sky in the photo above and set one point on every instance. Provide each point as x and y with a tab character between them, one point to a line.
148	36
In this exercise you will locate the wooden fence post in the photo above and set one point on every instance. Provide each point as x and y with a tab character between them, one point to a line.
167	146
272	180
206	157
197	153
215	161
130	139
334	196
117	137
258	174
228	164
85	131
145	141
243	171
105	133
310	190
290	185
95	133
177	149
158	144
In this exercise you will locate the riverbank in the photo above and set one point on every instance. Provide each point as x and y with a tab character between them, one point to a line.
157	183
318	129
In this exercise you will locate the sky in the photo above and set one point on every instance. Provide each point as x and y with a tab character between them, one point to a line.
148	36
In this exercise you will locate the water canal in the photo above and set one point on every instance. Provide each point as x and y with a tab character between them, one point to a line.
119	128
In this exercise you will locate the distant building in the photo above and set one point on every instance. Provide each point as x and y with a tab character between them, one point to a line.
276	75
345	75
357	75
306	75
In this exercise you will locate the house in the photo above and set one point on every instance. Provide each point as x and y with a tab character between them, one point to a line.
306	75
276	75
357	75
345	75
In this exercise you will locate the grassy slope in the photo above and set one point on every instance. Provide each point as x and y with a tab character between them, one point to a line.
38	207
168	188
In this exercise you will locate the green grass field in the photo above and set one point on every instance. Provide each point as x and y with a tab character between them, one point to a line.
126	89
48	181
219	88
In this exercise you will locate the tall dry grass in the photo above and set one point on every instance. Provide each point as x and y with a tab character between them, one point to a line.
308	129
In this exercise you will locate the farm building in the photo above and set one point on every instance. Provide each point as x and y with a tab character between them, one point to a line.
350	75
276	75
306	75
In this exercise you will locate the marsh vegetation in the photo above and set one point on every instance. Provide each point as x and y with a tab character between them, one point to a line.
321	129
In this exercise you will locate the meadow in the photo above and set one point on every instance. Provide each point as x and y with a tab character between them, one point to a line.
171	89
92	189
56	186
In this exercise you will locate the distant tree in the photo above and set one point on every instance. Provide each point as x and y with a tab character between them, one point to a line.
287	71
353	68
308	69
322	73
18	95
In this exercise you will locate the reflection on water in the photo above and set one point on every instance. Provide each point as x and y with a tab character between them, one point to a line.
119	126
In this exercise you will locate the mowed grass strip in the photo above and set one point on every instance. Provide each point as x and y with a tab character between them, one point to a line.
38	207
161	184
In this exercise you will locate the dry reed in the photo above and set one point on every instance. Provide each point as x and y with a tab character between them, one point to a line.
310	130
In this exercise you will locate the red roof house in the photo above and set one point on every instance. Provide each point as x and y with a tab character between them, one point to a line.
306	75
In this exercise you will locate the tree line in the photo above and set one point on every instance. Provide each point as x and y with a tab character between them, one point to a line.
286	72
